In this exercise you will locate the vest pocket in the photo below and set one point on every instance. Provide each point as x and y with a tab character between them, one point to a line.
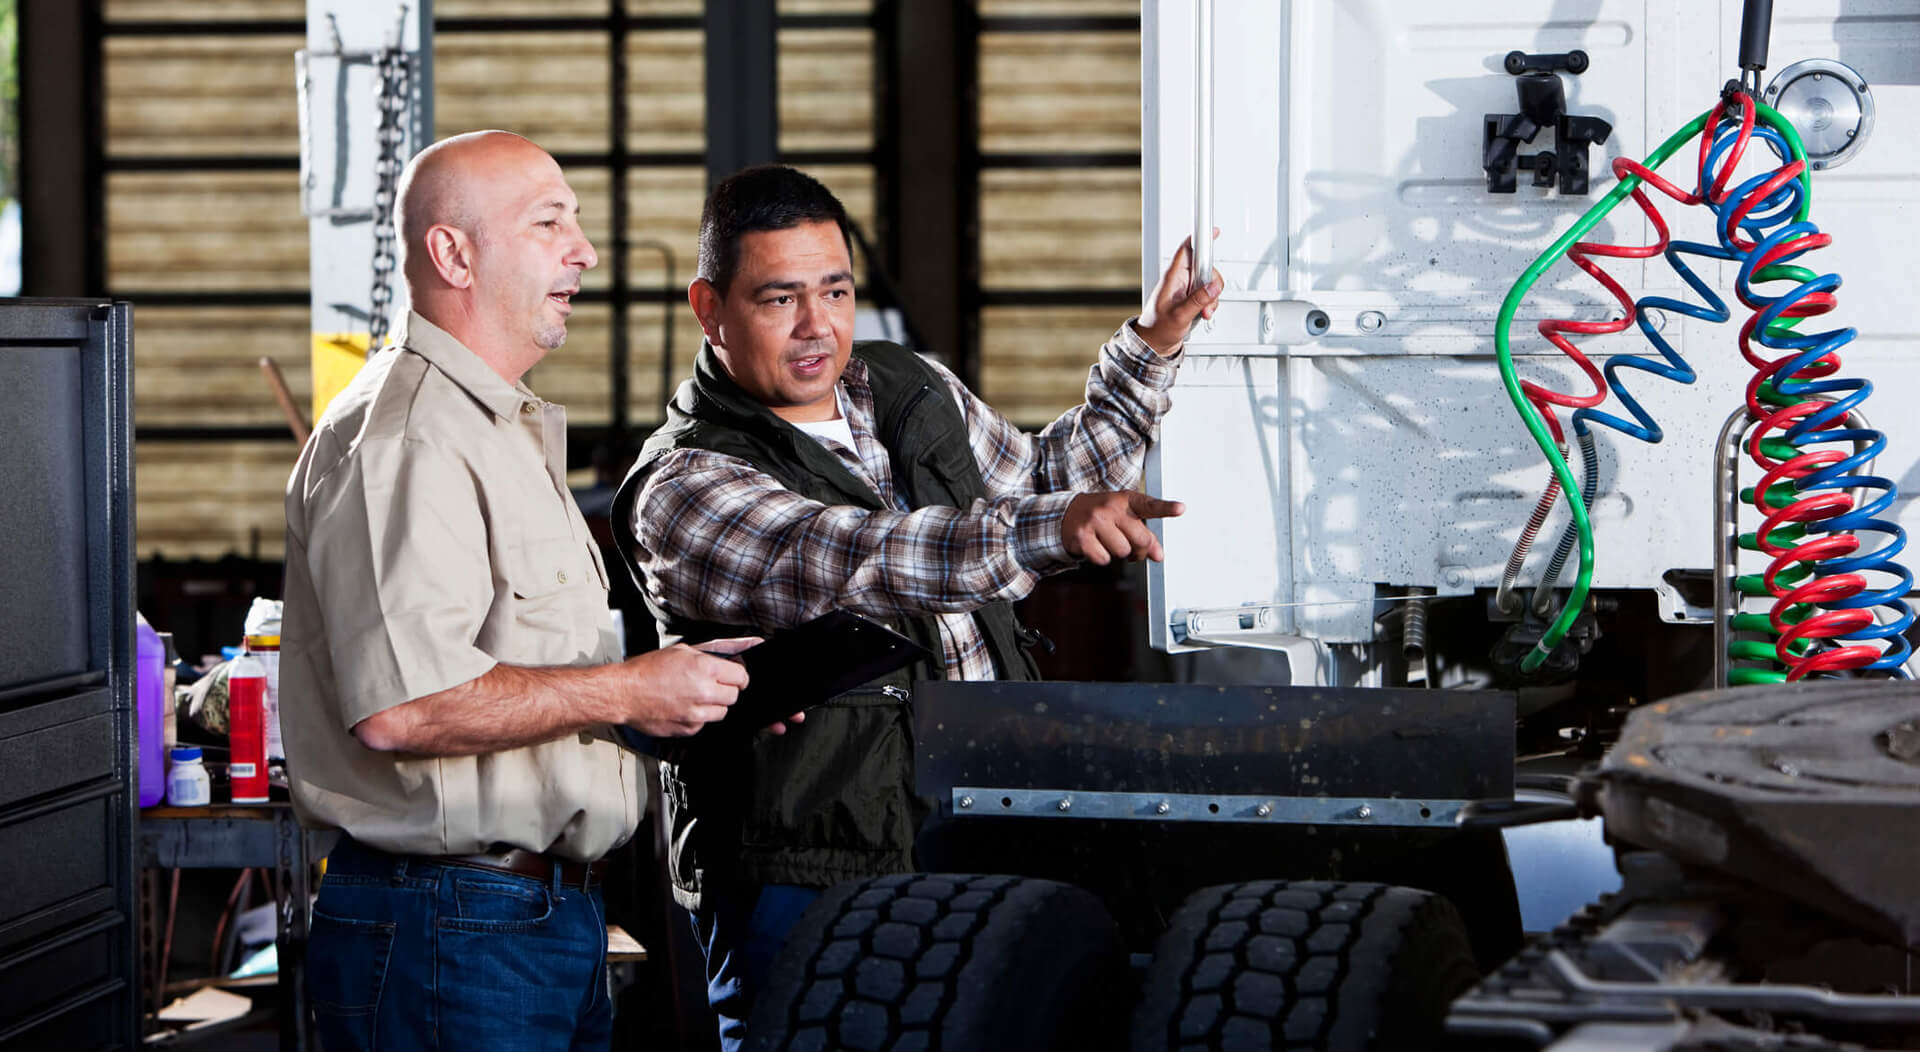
840	780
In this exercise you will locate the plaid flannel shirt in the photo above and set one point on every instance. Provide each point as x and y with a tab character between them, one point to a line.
721	541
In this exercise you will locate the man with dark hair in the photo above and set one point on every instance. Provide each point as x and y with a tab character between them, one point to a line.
799	473
768	197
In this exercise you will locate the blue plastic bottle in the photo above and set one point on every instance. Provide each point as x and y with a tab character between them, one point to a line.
149	658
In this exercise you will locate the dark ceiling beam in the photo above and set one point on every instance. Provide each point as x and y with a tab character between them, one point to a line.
743	117
61	192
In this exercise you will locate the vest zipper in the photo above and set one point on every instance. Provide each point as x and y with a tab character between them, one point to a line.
888	689
902	492
900	422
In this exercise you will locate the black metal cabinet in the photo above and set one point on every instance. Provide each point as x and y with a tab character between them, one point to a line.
67	794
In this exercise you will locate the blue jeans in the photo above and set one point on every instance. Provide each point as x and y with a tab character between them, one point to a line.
409	953
741	932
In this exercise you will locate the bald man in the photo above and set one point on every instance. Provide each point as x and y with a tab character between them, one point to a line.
449	671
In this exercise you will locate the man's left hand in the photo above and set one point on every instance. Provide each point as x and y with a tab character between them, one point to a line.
732	647
1176	305
780	726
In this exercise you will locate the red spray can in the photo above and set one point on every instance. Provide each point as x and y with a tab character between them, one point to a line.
247	729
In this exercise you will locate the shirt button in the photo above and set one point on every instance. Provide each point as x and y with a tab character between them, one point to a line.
562	576
527	408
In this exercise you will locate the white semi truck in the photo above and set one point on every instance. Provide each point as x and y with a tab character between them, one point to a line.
1416	387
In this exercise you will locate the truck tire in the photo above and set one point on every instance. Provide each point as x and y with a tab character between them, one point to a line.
946	961
1305	965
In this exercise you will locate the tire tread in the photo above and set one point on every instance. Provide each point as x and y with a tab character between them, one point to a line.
1307	966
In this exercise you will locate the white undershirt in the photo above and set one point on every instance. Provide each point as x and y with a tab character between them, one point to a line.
836	429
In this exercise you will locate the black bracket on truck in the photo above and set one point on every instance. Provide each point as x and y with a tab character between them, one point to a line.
1543	104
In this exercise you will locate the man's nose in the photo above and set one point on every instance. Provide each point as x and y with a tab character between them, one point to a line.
582	255
812	322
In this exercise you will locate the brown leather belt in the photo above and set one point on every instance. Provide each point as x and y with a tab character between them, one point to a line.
522	862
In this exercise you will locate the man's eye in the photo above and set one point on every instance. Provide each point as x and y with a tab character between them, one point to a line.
780	301
549	222
837	294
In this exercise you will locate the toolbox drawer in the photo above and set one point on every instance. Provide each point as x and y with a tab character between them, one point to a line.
58	976
57	855
57	743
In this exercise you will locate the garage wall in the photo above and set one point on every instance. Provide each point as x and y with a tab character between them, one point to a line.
203	230
1059	195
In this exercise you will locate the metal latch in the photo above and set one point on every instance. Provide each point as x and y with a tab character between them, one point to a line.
1259	626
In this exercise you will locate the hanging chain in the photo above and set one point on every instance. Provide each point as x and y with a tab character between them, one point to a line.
395	103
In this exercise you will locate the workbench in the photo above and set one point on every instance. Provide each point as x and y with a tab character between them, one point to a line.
249	836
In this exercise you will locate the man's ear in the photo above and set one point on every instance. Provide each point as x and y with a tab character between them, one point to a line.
705	301
452	253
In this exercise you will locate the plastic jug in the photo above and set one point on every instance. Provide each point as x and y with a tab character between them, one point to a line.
149	705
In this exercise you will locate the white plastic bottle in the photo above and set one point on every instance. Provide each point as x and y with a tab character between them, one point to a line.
187	782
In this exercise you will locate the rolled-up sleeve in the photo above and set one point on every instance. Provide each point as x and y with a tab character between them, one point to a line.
396	547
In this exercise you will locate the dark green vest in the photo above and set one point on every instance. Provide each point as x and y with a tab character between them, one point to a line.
832	799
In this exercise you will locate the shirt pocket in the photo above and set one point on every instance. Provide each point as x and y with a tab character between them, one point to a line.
554	589
948	466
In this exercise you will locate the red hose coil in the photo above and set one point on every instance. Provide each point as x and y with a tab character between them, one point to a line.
1813	507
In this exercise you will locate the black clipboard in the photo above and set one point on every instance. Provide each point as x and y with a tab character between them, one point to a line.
799	668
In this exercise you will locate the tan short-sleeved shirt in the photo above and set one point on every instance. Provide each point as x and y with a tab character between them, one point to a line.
430	536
